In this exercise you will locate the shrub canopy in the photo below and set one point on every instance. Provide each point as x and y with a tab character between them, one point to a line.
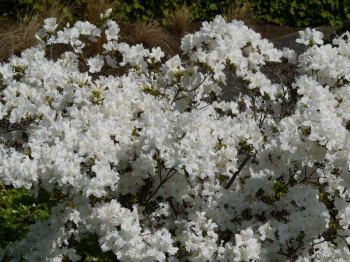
143	161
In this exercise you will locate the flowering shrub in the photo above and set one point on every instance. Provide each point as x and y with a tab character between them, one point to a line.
147	163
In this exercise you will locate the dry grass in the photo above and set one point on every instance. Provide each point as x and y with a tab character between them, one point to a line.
15	38
55	9
95	8
148	34
18	36
238	10
179	20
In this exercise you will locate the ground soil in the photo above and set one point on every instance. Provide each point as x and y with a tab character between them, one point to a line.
274	31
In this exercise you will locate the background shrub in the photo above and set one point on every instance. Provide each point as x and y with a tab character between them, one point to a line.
127	11
137	10
12	9
18	209
302	12
281	12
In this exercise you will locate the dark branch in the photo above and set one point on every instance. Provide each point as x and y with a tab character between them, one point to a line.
230	182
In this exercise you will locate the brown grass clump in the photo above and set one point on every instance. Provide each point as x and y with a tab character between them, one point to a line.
238	10
179	20
95	8
20	35
148	34
15	38
54	9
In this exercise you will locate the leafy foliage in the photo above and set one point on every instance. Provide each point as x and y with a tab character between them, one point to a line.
127	11
281	12
89	249
138	10
19	209
10	9
302	12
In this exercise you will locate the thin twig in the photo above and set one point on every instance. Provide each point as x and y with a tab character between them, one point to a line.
167	177
230	182
172	206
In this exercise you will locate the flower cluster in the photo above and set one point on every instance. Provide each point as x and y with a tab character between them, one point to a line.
153	164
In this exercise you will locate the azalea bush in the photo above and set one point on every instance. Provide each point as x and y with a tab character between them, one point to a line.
142	160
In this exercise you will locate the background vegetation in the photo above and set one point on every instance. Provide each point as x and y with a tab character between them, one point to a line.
302	12
281	12
128	11
18	209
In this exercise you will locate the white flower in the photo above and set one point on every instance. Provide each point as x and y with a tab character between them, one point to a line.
108	13
95	64
266	232
290	55
112	31
310	35
50	25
